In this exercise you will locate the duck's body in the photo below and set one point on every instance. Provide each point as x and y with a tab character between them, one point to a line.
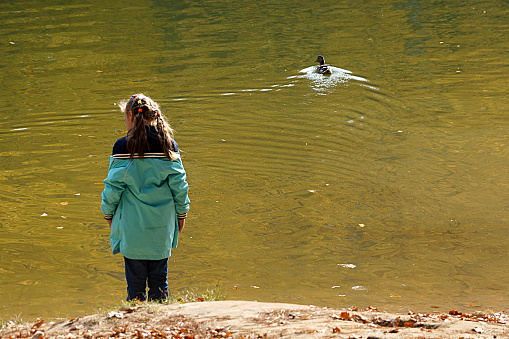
322	68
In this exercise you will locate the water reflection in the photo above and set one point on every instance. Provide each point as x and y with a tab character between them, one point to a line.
417	43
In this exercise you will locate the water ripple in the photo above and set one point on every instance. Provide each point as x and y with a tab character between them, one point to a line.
325	83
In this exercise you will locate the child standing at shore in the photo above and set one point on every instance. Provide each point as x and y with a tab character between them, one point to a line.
145	199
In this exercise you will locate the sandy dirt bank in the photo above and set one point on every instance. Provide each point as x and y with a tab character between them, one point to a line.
246	319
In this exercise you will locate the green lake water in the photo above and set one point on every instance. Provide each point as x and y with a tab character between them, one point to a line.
385	184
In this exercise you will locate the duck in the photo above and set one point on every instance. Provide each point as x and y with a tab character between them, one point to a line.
322	68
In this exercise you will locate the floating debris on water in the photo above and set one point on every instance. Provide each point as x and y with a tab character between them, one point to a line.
359	288
347	265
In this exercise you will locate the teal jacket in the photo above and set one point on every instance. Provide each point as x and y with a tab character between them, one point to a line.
144	196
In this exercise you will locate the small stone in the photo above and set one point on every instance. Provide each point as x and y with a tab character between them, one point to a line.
359	318
478	330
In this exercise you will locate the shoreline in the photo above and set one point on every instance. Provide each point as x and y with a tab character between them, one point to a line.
251	319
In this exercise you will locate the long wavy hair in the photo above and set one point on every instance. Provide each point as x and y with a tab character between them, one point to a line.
146	111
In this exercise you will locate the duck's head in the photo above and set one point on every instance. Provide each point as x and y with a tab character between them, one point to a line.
320	59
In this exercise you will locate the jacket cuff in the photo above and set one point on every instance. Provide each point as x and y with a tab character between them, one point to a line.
181	216
108	216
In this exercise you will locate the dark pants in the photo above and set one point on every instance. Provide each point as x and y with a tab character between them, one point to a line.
140	273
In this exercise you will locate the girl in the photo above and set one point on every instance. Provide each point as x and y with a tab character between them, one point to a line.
145	199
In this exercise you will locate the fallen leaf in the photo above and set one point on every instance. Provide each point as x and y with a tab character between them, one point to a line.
312	191
337	286
254	286
347	265
336	330
235	287
44	215
394	296
158	334
371	309
36	326
361	225
409	323
359	288
345	316
63	203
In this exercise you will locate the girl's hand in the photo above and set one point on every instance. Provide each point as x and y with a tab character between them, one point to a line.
109	222
182	223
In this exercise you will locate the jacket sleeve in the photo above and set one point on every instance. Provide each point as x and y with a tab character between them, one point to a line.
114	186
179	187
